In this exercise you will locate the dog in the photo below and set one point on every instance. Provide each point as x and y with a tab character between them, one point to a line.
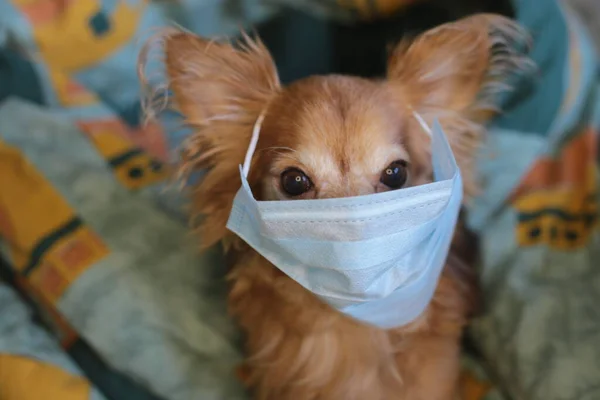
328	137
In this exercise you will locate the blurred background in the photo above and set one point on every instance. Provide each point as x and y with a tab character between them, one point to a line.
103	294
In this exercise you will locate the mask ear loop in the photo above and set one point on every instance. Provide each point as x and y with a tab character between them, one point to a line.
253	143
421	122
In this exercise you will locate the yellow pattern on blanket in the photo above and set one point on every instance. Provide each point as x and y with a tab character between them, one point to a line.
375	8
26	379
49	244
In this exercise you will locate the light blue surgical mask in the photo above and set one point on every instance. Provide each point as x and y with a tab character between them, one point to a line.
376	258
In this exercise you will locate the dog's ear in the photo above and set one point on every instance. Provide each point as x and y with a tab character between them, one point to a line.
213	81
220	89
454	72
456	65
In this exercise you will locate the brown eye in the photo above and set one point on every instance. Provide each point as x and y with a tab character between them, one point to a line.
295	182
395	175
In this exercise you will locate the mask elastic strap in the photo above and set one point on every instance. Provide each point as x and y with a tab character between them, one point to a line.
253	143
421	122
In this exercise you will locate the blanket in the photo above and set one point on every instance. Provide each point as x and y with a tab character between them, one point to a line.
105	263
537	217
30	354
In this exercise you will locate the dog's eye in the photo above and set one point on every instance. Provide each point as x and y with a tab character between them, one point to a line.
295	182
395	175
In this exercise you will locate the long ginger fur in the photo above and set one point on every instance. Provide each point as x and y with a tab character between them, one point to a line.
342	131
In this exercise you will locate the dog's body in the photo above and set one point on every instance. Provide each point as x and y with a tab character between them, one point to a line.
339	133
299	348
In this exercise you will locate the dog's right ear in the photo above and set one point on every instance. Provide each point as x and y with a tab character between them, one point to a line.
213	81
220	89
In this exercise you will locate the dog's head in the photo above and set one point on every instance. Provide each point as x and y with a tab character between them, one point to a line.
333	136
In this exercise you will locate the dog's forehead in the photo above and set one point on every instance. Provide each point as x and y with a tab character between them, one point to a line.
351	127
348	119
341	124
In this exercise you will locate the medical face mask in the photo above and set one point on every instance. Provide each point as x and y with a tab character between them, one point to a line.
376	258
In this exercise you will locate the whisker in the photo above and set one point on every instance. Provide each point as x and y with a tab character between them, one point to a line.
283	151
280	148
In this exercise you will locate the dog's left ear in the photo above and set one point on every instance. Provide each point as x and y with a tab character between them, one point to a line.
454	73
450	67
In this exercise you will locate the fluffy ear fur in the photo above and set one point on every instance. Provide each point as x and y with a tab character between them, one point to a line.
454	72
221	90
218	81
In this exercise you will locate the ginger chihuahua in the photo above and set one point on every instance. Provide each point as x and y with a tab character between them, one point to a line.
333	136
